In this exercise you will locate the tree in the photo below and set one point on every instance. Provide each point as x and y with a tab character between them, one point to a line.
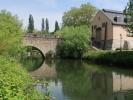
10	33
75	41
79	16
56	26
47	26
129	16
43	26
31	24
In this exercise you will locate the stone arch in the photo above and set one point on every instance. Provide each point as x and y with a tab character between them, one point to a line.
40	51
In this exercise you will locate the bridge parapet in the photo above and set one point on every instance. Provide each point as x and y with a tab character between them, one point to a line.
45	36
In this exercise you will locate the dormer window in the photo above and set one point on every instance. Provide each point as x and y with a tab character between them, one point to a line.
117	19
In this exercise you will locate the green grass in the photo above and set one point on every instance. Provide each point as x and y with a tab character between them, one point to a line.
123	59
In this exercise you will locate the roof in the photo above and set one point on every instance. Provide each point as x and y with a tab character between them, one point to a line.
112	14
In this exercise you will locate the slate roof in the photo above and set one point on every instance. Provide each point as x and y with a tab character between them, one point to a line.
111	14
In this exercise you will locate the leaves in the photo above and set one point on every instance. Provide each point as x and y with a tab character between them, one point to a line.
75	41
79	16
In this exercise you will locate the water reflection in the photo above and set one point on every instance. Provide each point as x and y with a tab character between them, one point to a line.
77	80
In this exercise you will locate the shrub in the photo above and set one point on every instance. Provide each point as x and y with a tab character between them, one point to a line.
120	58
50	54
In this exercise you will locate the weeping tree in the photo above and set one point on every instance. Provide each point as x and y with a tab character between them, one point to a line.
129	16
31	24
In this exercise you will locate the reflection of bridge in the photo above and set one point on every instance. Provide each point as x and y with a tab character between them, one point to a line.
44	43
45	71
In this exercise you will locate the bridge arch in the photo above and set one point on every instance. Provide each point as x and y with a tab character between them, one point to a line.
35	48
42	42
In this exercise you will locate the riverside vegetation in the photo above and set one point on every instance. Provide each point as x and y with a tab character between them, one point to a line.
119	58
15	82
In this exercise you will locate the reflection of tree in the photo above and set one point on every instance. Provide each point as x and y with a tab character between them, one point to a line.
76	82
102	87
81	84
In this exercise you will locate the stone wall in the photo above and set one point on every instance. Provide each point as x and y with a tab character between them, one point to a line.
42	43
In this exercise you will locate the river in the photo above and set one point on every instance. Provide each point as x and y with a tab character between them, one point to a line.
79	80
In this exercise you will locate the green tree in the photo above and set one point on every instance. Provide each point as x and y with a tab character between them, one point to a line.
31	24
10	33
79	16
56	26
129	16
47	26
75	43
43	26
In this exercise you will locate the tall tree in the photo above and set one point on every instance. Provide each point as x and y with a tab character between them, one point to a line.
79	16
56	26
47	26
43	26
31	24
129	16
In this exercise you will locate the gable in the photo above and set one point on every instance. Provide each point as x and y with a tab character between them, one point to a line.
100	18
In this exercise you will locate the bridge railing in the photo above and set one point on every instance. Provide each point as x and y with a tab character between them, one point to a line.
46	36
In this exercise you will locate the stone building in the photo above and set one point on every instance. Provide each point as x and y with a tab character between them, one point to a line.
108	31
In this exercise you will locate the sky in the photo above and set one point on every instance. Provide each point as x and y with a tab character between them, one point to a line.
53	9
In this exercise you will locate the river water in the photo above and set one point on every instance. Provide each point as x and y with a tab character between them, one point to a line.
79	80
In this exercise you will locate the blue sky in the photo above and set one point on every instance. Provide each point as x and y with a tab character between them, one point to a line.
53	9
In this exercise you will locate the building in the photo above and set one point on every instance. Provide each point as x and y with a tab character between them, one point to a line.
108	31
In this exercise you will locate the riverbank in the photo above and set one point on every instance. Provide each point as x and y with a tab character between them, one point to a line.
15	82
123	59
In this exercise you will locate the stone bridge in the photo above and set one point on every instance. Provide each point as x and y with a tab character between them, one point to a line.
44	43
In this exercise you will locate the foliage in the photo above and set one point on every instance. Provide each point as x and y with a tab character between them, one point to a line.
47	26
15	83
123	58
79	16
75	41
31	24
43	26
50	54
56	26
10	33
129	16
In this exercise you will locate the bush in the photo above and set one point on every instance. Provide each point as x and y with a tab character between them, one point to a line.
50	54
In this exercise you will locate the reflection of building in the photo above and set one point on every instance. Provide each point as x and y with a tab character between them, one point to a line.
102	86
107	86
122	83
108	30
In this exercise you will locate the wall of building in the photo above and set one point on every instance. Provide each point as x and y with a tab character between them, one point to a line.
99	19
124	39
113	40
